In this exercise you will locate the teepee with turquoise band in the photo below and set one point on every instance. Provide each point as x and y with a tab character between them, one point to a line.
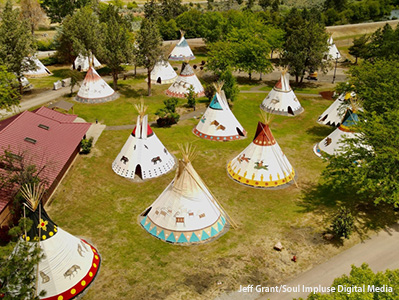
186	212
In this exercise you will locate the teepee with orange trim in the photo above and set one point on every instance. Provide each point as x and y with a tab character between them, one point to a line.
69	264
262	164
282	100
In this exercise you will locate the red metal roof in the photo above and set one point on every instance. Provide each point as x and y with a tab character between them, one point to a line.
50	145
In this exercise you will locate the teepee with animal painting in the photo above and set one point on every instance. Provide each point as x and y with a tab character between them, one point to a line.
186	212
69	264
262	164
143	153
218	123
335	113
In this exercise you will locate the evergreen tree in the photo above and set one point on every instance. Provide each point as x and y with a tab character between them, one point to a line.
16	43
9	95
149	48
359	47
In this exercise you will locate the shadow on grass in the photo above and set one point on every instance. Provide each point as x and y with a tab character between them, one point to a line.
61	73
127	91
319	132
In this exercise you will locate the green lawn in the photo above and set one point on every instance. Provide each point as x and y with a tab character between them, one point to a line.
95	203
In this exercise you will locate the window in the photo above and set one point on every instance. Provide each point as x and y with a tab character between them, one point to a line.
45	127
30	140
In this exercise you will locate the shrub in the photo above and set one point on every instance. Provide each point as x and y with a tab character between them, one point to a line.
132	5
45	45
168	115
343	223
191	97
85	145
209	91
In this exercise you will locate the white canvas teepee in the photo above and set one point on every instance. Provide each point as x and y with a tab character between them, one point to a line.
163	73
82	63
218	123
333	52
94	89
186	79
40	70
335	113
186	212
182	51
281	100
262	164
69	265
334	143
143	153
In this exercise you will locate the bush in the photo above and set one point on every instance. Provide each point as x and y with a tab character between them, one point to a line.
85	145
49	61
209	91
45	45
343	223
168	115
132	5
191	97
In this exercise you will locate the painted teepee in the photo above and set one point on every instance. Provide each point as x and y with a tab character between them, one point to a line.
262	164
333	52
334	143
94	89
335	113
186	79
82	63
282	100
182	51
163	73
40	70
218	123
186	212
69	264
143	153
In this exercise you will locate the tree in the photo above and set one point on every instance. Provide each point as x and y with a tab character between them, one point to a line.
368	168
265	4
359	277
9	95
230	85
190	22
191	97
168	115
32	12
80	34
149	48
359	47
117	45
16	43
384	44
57	10
171	9
343	223
305	44
76	77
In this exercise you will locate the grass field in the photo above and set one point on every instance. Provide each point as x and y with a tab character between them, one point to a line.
95	203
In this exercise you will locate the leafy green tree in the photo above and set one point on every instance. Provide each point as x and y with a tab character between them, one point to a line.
359	47
190	23
149	48
370	171
343	223
360	276
168	115
80	34
16	43
76	77
305	44
265	4
191	97
213	25
384	44
230	86
171	9
168	29
152	10
9	95
57	10
117	46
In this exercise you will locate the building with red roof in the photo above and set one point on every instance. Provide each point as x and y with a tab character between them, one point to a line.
49	139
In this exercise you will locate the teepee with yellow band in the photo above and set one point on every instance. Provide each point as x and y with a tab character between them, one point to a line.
186	212
262	164
69	264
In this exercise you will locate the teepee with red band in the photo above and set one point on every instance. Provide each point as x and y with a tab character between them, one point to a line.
143	153
262	164
282	100
69	264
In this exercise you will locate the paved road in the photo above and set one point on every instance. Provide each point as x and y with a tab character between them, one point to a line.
380	252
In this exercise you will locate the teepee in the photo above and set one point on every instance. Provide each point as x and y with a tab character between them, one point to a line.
94	89
335	113
40	70
69	264
163	73
333	52
186	79
82	63
262	164
218	123
281	100
182	51
186	212
334	143
143	153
